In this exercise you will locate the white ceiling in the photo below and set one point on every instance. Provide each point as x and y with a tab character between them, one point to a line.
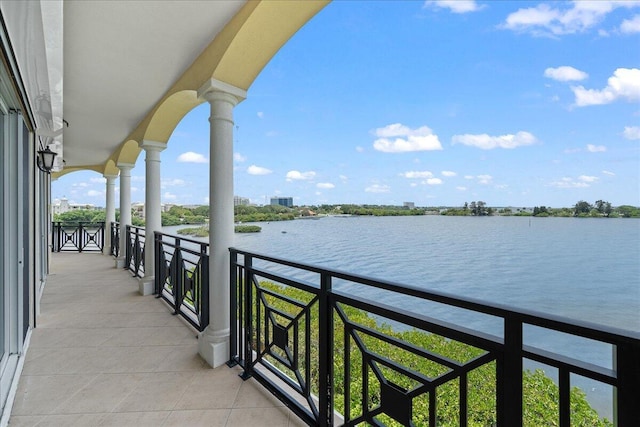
120	57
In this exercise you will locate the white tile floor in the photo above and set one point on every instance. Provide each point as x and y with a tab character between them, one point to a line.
102	355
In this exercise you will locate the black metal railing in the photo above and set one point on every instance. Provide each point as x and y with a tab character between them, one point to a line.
115	239
300	331
182	277
78	236
135	247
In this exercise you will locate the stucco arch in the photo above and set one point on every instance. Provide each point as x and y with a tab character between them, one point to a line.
111	169
255	40
127	153
169	113
236	56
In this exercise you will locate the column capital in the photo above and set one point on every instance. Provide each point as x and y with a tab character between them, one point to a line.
214	89
121	166
148	145
110	176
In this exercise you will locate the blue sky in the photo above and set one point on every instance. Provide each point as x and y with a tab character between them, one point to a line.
440	102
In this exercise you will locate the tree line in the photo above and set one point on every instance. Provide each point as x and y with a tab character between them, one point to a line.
179	215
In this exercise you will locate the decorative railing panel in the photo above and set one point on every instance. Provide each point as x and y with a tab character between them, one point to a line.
78	237
350	350
115	239
134	257
182	277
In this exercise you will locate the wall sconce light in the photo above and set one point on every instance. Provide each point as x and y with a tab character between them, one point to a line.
45	160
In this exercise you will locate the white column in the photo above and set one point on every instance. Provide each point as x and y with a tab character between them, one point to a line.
152	211
213	342
110	212
125	210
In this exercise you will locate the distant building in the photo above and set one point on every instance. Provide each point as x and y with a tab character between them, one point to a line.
138	210
241	201
61	206
282	201
409	205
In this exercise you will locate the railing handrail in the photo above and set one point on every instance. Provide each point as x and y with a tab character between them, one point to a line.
599	332
184	239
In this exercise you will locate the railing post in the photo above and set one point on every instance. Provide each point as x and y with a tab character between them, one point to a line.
101	235
80	237
233	309
247	321
627	365
159	266
325	356
204	287
56	235
509	376
178	279
127	255
136	253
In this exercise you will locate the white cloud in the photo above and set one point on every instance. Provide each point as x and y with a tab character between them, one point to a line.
300	176
596	148
583	181
98	180
417	174
94	193
80	184
191	157
455	6
169	196
359	149
448	173
237	157
609	173
485	179
543	20
587	178
258	170
468	177
568	183
565	74
461	188
631	26
344	178
488	142
624	84
405	139
631	132
377	188
433	181
260	114
326	185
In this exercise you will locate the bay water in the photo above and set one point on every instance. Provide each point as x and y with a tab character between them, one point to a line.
581	268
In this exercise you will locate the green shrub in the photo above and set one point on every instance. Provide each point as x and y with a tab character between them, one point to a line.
247	229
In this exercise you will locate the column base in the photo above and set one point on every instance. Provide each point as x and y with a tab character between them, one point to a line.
120	262
214	353
146	285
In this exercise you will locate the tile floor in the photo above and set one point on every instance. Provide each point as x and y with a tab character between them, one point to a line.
103	355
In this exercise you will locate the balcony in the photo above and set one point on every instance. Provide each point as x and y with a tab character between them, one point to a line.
337	348
101	354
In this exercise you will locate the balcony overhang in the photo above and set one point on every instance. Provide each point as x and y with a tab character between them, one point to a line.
131	70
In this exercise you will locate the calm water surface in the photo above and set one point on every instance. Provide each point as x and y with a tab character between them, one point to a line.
581	268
